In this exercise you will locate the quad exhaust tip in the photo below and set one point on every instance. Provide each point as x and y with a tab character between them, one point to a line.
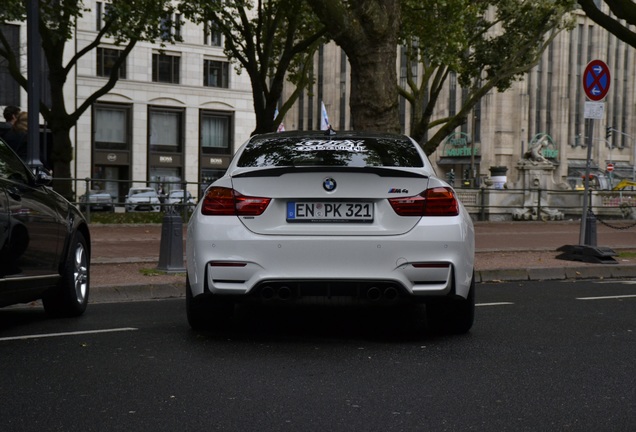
280	293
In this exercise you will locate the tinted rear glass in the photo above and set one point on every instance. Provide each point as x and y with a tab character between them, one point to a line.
330	151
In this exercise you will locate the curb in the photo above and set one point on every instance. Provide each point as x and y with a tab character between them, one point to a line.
127	293
612	271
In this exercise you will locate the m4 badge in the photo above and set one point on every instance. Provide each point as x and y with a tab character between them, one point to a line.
398	190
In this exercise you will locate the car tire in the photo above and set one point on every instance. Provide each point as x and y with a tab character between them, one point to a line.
70	297
452	315
208	312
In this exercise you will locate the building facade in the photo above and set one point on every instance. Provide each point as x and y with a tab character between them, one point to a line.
546	107
177	114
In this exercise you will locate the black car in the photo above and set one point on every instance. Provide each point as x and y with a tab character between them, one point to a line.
97	201
44	241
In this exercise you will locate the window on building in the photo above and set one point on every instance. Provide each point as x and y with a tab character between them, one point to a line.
404	64
166	130
171	27
9	87
106	58
101	12
343	89
211	35
178	25
110	123
216	74
310	104
452	94
165	68
215	133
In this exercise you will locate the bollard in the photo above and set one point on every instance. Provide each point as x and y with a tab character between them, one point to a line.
171	249
590	229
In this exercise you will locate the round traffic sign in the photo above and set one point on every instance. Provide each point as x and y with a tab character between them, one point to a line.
610	167
596	80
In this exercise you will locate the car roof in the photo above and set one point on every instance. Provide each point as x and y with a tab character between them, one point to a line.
332	133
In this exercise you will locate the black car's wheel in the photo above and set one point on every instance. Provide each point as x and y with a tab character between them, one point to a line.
70	297
207	312
452	315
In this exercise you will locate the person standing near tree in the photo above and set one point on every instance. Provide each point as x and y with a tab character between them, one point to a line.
16	136
10	116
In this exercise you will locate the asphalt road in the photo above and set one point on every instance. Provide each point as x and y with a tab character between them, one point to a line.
542	356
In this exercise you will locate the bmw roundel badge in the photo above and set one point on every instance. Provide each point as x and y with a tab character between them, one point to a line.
329	184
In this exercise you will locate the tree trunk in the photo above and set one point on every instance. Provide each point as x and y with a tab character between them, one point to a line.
367	31
374	95
62	155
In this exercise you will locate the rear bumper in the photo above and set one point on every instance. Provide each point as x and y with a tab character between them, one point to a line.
433	260
142	207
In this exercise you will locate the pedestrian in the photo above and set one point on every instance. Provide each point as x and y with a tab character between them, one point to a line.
161	193
16	137
10	115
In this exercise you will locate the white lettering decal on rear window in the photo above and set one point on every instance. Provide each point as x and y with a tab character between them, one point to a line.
346	145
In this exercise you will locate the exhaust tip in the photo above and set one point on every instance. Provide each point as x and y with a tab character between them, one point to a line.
374	293
390	293
267	293
284	293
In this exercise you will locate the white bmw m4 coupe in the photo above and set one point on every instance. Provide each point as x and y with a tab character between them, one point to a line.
331	217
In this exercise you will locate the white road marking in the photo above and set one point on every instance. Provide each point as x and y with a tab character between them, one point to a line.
47	335
615	282
494	304
607	297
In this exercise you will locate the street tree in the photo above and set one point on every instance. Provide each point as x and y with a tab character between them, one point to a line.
367	31
621	15
125	22
484	45
271	40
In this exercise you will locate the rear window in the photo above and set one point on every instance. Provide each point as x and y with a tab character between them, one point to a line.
330	151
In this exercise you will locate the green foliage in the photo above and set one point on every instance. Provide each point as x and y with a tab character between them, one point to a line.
272	41
126	218
486	44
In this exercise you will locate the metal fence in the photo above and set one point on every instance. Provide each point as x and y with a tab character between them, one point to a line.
484	204
89	194
488	204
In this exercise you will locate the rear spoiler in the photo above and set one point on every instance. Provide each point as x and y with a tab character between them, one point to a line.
379	171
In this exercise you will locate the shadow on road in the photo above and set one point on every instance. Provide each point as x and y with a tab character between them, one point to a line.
273	323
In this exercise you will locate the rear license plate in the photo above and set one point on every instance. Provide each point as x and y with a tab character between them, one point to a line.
329	211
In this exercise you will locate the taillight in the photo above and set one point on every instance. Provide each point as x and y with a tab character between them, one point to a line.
221	201
439	201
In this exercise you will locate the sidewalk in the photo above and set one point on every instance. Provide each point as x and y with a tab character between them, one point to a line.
125	257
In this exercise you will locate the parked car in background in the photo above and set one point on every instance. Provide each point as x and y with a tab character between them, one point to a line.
44	241
96	201
336	217
175	197
140	199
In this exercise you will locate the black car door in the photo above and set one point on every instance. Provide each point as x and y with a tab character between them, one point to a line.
4	232
34	225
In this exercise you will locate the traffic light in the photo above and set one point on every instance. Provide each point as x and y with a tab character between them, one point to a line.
451	177
608	132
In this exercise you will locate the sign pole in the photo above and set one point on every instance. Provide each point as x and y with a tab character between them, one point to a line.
596	83
586	191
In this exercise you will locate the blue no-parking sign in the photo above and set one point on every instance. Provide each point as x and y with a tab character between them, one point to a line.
596	80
